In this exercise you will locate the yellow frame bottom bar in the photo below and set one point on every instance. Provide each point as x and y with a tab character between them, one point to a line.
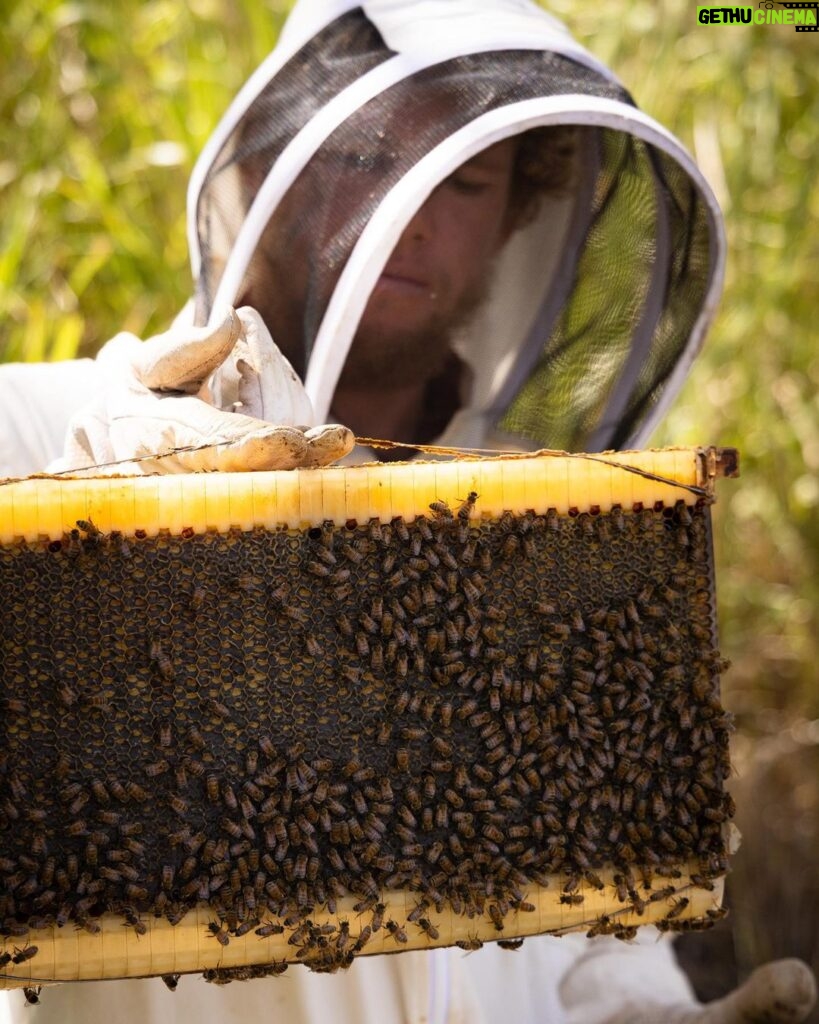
118	951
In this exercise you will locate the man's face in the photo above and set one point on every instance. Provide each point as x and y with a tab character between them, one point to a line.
437	274
435	278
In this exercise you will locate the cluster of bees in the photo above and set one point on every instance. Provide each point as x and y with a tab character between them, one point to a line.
267	721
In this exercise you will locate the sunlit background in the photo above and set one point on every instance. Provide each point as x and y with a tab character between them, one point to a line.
103	109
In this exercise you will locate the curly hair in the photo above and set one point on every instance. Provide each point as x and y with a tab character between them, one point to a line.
544	165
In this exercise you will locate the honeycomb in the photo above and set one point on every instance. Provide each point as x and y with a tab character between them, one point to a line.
269	722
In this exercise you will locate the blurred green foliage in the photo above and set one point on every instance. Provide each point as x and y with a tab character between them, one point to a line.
746	103
104	108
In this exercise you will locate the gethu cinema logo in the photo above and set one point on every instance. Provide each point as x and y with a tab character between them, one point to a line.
801	15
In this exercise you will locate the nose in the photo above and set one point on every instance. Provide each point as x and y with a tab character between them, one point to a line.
422	226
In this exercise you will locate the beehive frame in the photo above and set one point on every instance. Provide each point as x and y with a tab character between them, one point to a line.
508	510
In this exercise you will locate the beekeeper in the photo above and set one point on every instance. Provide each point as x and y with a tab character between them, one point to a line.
576	260
459	230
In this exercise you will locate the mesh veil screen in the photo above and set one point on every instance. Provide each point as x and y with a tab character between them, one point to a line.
365	157
628	307
324	212
564	399
639	195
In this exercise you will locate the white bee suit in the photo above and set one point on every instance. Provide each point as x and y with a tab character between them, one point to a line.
36	402
597	307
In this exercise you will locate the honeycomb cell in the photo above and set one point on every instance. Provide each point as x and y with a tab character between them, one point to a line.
261	720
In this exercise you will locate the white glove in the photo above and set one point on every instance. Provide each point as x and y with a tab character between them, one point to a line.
780	992
171	406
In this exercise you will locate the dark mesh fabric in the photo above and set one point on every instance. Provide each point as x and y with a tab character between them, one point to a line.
562	402
334	57
320	219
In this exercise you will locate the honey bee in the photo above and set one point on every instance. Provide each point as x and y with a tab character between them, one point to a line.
400	529
218	932
174	914
638	904
440	510
231	828
177	804
26	953
468	552
594	880
361	941
677	908
510	546
269	928
467	505
621	887
133	919
421	532
396	931
377	919
67	696
195	738
167	876
376	532
77	828
161	659
601	926
497	915
122	545
157	768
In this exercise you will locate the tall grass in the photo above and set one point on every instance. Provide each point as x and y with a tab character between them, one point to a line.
103	109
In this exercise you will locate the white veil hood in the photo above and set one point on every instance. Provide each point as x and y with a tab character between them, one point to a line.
597	308
424	27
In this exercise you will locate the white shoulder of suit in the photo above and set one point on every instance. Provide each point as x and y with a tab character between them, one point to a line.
36	402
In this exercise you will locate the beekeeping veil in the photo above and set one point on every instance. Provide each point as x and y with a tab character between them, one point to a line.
596	307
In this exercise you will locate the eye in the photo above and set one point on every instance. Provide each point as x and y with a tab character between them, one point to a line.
466	184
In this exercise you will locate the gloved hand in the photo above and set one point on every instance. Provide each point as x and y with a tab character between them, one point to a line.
640	982
171	405
780	992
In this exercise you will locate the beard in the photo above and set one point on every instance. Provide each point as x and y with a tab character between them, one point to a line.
397	357
401	358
